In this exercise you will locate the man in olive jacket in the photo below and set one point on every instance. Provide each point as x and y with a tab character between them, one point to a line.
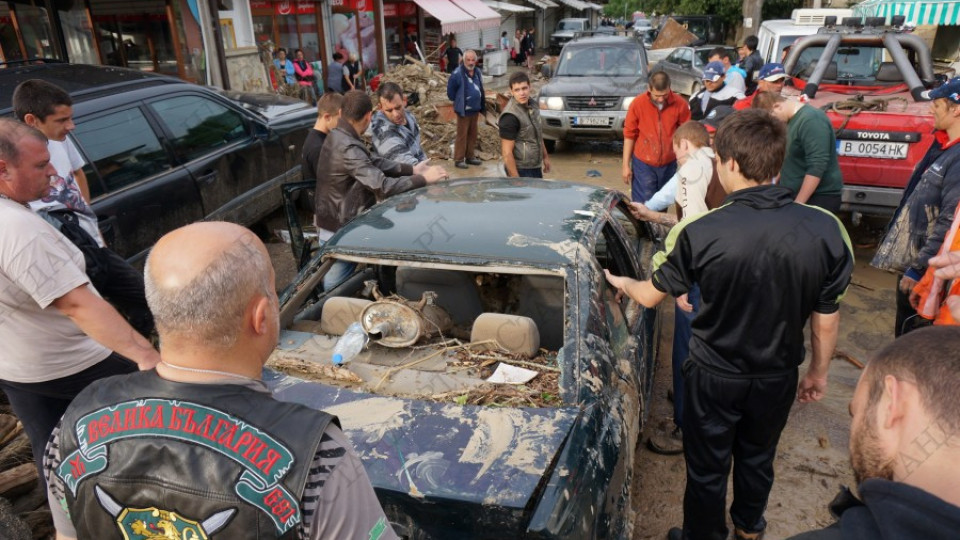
350	179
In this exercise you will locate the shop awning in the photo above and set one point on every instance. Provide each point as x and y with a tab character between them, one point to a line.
484	16
923	12
575	4
504	6
542	4
597	7
452	18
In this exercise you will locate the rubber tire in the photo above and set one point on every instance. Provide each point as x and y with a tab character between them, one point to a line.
550	145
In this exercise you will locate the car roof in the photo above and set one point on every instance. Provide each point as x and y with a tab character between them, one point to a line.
81	81
484	221
603	38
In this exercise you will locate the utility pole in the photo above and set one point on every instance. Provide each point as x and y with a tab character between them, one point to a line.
752	10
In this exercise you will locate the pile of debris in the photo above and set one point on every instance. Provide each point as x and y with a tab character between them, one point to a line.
24	514
427	88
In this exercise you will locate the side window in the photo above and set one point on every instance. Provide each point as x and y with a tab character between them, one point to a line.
122	147
674	57
612	254
686	58
199	125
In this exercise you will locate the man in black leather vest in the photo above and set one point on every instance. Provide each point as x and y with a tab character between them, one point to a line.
199	448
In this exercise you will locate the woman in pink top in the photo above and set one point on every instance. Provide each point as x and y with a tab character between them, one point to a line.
304	73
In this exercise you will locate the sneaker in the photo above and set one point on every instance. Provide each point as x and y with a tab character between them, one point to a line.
667	443
473	161
461	164
675	533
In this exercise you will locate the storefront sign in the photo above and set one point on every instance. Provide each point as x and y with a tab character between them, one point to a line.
351	5
285	7
404	9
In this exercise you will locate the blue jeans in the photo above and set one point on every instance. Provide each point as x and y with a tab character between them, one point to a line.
337	274
530	173
648	180
681	349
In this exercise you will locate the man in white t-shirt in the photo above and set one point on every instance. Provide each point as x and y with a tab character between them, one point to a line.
57	333
48	108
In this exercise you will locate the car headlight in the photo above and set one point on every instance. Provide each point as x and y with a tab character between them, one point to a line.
551	103
627	101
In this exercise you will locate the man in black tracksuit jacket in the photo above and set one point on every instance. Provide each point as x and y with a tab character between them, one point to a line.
764	264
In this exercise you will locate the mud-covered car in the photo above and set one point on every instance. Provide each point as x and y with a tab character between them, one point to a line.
459	282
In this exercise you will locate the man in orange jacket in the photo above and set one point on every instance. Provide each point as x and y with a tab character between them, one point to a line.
653	117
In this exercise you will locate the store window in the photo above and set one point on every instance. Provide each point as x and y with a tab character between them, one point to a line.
353	32
141	40
35	36
78	33
400	28
291	25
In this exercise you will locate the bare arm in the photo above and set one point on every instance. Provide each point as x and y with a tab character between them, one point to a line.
640	291
810	184
823	341
510	164
81	179
627	154
546	157
104	325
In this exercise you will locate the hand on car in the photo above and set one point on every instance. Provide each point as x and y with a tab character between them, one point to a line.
421	168
618	282
435	174
640	211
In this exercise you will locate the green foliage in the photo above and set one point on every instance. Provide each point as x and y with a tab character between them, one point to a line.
731	11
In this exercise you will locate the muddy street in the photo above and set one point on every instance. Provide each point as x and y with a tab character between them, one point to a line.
812	461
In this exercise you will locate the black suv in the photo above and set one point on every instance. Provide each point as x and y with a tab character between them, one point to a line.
162	153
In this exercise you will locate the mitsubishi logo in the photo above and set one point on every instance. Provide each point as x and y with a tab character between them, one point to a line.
592	102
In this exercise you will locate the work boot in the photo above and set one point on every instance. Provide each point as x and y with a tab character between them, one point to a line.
667	442
743	535
473	161
461	164
675	533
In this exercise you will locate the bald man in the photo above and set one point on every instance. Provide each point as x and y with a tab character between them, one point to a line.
200	443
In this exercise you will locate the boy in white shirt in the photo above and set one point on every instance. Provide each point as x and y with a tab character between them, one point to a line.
48	108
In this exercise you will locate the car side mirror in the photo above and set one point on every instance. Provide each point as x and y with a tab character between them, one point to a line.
546	70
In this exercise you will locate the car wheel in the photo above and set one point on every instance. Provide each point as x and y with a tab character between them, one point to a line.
550	145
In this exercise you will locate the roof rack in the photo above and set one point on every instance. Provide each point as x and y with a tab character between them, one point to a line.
583	34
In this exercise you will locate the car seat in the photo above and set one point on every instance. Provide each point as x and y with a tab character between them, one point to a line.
457	292
541	298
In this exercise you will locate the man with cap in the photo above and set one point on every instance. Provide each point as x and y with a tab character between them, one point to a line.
811	169
920	223
772	77
715	92
734	75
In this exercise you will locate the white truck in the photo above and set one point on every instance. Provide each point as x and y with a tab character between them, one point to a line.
776	34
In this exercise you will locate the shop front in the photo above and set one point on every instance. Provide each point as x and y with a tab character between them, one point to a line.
161	36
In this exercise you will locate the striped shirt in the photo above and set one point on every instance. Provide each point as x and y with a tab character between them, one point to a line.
397	143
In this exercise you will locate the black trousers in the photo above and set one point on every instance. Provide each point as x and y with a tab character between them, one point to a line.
40	405
109	273
827	202
724	420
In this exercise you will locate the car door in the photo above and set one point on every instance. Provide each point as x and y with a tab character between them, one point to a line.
217	145
673	65
138	192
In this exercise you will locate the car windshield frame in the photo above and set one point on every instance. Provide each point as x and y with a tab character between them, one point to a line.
570	25
860	66
593	62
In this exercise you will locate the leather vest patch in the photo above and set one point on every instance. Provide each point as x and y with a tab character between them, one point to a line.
264	460
157	524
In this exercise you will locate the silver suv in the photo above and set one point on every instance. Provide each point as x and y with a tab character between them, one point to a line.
566	30
595	81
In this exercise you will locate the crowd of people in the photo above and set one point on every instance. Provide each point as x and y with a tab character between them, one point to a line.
117	425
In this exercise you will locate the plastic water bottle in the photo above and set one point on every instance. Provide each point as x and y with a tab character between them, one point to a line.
350	344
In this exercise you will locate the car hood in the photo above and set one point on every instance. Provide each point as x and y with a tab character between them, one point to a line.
599	86
273	107
479	455
564	33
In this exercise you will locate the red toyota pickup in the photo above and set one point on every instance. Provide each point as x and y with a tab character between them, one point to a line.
871	90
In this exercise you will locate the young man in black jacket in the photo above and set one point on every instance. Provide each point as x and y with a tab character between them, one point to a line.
765	265
903	444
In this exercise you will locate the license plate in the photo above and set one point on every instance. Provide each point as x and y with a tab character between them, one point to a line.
879	150
591	121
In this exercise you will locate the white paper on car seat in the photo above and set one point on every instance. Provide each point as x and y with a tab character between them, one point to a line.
507	374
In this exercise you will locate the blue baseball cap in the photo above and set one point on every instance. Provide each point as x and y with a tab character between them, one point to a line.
713	71
949	90
772	71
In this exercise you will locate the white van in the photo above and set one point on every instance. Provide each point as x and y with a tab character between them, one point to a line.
776	34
